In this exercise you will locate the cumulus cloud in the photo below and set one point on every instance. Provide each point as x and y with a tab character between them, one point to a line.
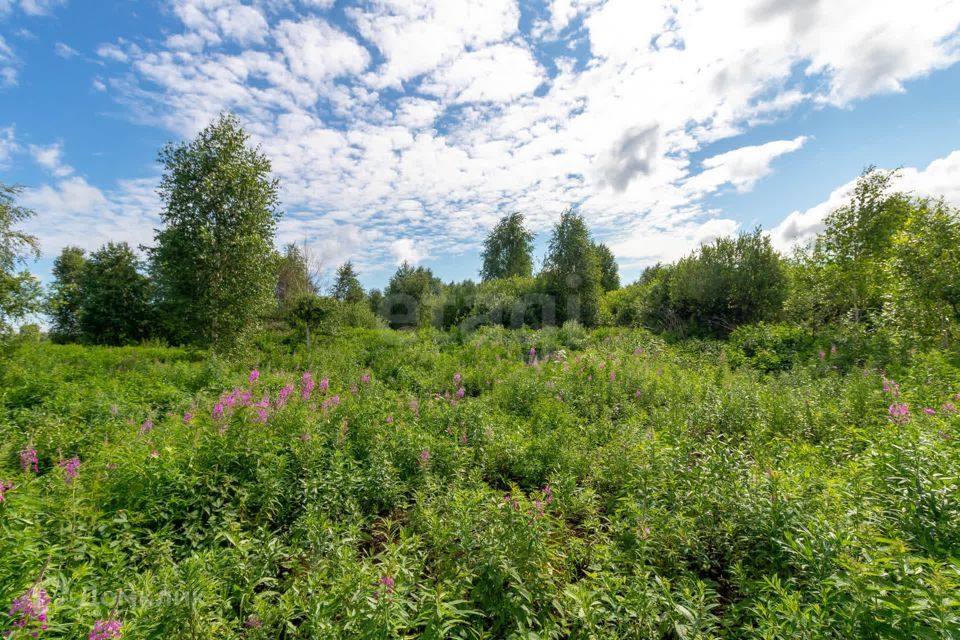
64	50
8	65
452	106
51	158
8	145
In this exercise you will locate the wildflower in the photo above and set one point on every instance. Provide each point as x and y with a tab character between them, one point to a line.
899	413
114	409
891	387
5	486
538	506
146	427
415	407
306	385
424	456
387	582
460	393
254	376
187	417
154	453
645	533
284	394
253	622
263	415
365	378
822	355
218	411
106	630
70	468
532	354
264	402
637	351
590	377
354	389
948	407
457	378
324	384
464	440
637	394
390	419
547	492
28	460
929	411
613	376
29	611
833	349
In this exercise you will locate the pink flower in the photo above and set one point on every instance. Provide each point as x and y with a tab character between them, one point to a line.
822	355
324	384
262	415
306	385
218	411
929	411
70	468
415	407
284	394
29	611
28	460
460	393
899	413
106	630
365	378
637	394
613	376
254	376
457	378
389	419
424	456
187	417
146	427
5	487
948	407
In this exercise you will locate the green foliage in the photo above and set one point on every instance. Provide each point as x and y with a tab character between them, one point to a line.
607	486
507	250
114	297
213	260
19	291
346	288
730	282
410	297
65	297
293	277
609	272
571	271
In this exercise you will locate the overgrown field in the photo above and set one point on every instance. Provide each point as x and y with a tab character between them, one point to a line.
552	484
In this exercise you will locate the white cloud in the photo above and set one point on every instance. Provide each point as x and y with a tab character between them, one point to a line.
112	52
50	158
64	50
499	73
8	145
216	20
649	246
8	65
316	51
39	7
741	167
940	178
408	250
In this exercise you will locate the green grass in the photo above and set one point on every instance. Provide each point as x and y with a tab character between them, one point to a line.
690	495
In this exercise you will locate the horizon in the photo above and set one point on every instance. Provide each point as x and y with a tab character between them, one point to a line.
403	131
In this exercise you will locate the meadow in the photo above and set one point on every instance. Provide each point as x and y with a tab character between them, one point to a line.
560	483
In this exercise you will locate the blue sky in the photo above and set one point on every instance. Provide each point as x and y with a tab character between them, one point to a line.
403	129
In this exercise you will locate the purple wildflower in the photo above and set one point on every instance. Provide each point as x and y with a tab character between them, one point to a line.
613	376
822	355
460	393
948	407
253	622
324	384
424	456
70	468
29	460
365	378
899	413
5	486
457	378
264	402
146	427
929	411
387	582
547	492
415	407
306	385
390	419
254	376
110	629
29	611
637	394
218	411
354	389
262	415
187	417
833	349
284	395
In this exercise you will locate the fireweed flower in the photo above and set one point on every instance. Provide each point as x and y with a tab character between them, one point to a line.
457	378
822	355
637	394
187	417
106	630
415	407
948	407
5	486
389	419
833	348
28	460
29	611
354	389
218	411
891	387
324	384
613	376
460	393
262	415
547	492
424	456
264	403
70	468
929	411
284	394
254	376
253	622
146	427
306	385
899	413
365	378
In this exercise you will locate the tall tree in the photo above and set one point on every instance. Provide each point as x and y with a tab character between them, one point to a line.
293	276
116	297
609	271
508	249
19	290
409	297
213	260
65	297
346	287
572	271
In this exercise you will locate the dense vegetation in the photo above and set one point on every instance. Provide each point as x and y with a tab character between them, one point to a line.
740	444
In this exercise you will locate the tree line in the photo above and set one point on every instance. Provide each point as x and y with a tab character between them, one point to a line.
886	261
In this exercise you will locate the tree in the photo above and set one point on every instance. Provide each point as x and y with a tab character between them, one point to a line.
293	276
65	297
508	250
409	296
346	288
730	282
19	291
213	260
116	297
572	271
609	271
